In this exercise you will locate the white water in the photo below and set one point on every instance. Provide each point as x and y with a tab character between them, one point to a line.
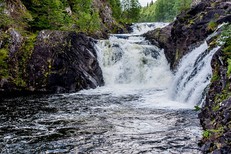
132	113
131	65
193	76
141	28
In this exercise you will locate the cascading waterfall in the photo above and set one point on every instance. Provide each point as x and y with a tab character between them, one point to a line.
193	75
143	107
141	28
127	59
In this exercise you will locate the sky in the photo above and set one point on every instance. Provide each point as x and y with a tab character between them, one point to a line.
144	2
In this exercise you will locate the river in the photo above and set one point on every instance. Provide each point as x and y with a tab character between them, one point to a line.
143	107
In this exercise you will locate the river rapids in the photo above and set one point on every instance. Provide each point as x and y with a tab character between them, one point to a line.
143	107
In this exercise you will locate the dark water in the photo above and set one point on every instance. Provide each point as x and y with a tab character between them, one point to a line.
94	123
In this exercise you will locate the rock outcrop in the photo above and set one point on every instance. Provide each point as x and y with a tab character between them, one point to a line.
64	62
51	61
190	28
178	38
215	115
108	24
58	62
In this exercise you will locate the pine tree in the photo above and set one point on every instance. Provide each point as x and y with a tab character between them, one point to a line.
131	10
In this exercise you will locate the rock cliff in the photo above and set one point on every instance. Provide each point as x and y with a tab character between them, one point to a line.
48	60
187	32
190	28
63	62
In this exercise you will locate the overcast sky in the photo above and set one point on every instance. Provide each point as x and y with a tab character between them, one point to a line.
144	2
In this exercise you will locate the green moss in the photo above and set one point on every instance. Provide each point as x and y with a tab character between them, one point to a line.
213	133
229	66
216	107
20	82
213	4
225	38
212	25
215	77
206	134
5	21
197	108
23	56
3	63
222	96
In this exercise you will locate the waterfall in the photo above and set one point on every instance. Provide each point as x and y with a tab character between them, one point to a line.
128	60
141	28
193	75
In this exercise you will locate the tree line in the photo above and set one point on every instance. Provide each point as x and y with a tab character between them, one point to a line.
163	10
81	15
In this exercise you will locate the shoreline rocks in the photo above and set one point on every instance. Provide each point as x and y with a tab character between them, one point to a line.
59	62
178	38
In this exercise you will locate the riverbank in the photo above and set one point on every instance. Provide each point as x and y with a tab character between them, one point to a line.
188	31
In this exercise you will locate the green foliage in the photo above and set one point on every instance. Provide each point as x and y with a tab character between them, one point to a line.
5	21
131	10
213	132
225	42
197	108
226	38
3	63
54	14
182	5
116	8
22	58
212	25
47	14
206	134
215	77
229	67
164	10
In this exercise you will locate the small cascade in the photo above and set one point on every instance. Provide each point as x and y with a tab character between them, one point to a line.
141	28
193	75
127	59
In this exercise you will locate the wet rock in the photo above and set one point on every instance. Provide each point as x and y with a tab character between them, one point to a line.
215	116
109	24
64	62
15	42
189	29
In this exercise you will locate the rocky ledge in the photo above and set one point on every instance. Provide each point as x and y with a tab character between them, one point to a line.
190	28
215	115
187	32
59	62
64	62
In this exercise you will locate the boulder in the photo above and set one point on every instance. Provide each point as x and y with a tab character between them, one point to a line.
63	62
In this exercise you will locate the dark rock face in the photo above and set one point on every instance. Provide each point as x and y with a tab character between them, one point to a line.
215	115
57	62
64	62
187	32
190	28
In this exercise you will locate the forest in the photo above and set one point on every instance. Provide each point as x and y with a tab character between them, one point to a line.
163	10
77	15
